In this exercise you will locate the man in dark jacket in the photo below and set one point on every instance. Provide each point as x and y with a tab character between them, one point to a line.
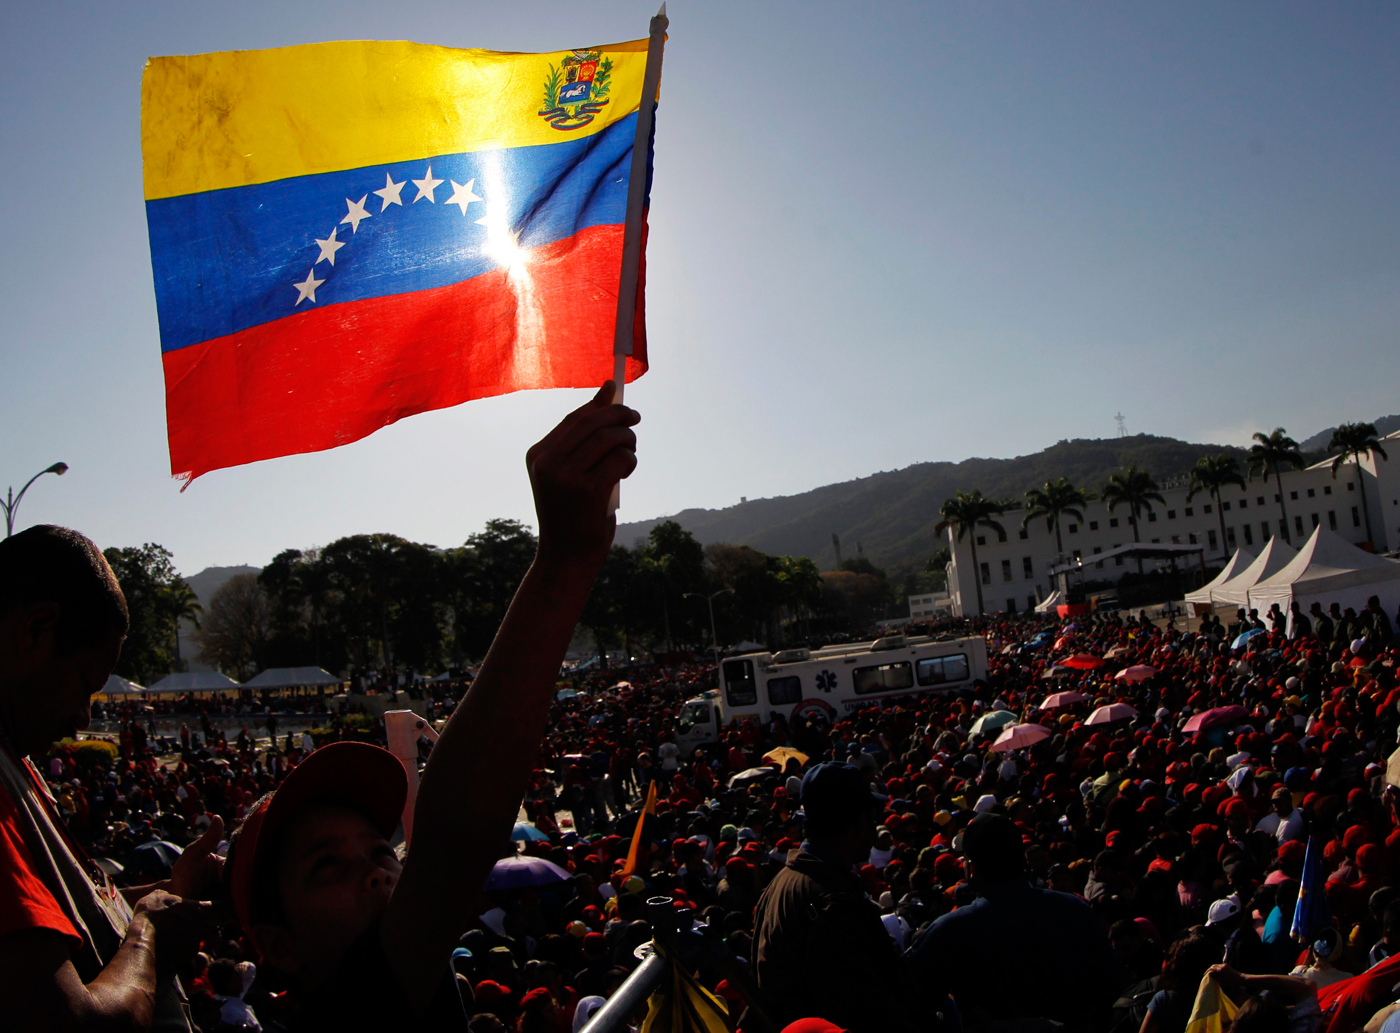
820	948
1017	952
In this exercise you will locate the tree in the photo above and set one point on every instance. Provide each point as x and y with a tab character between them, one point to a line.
608	614
670	564
1059	498
156	598
479	581
1137	490
235	632
1270	454
1352	441
966	512
1210	475
387	593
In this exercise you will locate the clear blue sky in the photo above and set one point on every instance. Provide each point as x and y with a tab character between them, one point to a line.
882	234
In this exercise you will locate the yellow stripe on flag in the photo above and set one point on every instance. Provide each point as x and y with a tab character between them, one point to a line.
231	119
1212	1010
648	808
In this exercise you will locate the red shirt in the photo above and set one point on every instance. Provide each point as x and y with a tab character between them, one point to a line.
25	902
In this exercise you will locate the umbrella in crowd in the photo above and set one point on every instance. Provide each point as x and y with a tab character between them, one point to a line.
1136	673
1082	662
1062	699
526	833
783	754
1242	639
1116	652
992	722
153	856
743	778
1018	737
1215	716
1111	713
1058	671
517	873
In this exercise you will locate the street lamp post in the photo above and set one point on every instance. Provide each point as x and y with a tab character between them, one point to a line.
11	502
714	636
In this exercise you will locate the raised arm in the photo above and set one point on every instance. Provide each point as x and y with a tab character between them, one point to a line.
477	774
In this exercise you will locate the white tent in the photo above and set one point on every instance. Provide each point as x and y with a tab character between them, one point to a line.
290	678
1271	559
119	686
1235	567
1051	601
194	681
1328	569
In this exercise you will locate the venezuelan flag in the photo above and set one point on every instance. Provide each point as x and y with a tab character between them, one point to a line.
345	234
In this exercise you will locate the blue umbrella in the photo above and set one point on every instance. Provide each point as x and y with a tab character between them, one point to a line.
518	873
1241	640
526	833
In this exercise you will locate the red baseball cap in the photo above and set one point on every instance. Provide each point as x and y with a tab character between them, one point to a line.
364	778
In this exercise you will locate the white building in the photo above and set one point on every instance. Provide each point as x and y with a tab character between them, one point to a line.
930	605
1014	569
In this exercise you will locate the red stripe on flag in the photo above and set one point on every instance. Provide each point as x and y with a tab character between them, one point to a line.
326	377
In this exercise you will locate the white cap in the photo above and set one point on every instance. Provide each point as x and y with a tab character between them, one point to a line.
1222	911
985	803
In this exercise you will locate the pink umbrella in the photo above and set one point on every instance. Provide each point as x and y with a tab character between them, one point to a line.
1215	716
1083	662
1018	737
1062	699
1063	641
1113	712
1141	672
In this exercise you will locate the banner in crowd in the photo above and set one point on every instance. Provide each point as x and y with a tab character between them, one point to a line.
345	234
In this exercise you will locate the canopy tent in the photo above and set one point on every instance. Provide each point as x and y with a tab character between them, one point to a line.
1233	568
119	686
291	677
1328	569
194	681
1271	559
1052	600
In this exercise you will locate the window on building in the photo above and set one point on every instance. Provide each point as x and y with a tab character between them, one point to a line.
1073	528
1293	495
986	574
1027	568
1327	489
1315	520
1171	514
1230	537
1151	516
1244	503
882	678
1193	538
1112	521
1176	539
1259	501
940	670
1283	527
1031	602
1156	541
1011	604
1098	549
1093	525
1212	541
1078	555
1024	534
981	539
1264	531
1006	570
1298	524
1001	536
1206	508
1225	506
1118	560
1331	520
1248	534
1351	486
782	691
1190	511
1355	517
739	686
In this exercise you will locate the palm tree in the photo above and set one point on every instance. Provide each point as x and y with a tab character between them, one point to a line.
1352	441
1059	498
1210	475
1272	453
1137	490
966	512
179	602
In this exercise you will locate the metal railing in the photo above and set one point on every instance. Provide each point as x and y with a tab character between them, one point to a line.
698	948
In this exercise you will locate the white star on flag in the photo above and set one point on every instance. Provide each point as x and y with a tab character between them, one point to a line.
356	214
307	288
426	186
390	194
462	195
329	247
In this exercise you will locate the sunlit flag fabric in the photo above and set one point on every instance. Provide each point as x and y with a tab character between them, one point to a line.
345	234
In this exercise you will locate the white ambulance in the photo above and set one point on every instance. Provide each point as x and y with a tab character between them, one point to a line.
831	682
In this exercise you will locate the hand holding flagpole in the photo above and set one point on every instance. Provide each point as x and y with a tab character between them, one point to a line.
636	207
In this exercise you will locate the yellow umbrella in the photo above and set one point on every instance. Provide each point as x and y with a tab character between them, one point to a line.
783	754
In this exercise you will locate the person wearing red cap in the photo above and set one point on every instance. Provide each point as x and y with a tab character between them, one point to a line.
311	874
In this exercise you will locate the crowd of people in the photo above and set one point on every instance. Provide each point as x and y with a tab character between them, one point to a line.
1229	824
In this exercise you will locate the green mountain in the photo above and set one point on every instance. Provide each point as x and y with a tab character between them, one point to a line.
890	516
1318	442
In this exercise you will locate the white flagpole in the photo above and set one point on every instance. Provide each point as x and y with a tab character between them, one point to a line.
632	232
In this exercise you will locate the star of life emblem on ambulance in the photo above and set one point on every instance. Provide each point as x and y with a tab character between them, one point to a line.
576	89
826	681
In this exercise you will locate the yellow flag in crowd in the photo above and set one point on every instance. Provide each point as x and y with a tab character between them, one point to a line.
1212	1010
682	1005
648	808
